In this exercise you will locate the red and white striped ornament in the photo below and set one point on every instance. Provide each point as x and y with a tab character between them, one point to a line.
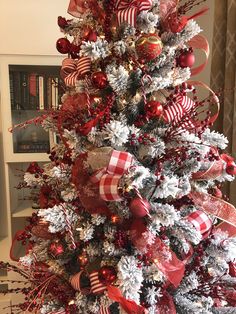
127	11
109	178
96	286
175	112
73	69
201	222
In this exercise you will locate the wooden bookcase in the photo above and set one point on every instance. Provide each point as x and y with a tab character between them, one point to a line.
14	157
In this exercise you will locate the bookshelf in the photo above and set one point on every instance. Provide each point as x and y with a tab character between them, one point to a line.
29	86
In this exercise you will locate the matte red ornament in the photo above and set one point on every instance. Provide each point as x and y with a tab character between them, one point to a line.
231	168
74	51
148	47
154	109
107	275
186	59
99	80
232	269
139	207
63	45
56	249
62	22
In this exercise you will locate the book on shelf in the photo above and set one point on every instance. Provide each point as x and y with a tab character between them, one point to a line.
17	91
41	93
24	83
33	91
32	147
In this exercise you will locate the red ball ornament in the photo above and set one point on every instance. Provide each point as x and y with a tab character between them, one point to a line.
232	269
186	59
99	80
63	45
148	47
74	51
154	109
107	275
56	249
139	207
231	168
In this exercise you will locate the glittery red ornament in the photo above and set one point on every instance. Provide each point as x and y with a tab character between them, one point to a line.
74	51
56	249
99	80
148	47
139	207
63	45
89	34
232	269
62	22
231	168
186	59
107	275
154	109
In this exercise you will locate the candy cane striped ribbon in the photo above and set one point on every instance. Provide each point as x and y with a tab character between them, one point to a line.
175	112
68	224
72	69
104	310
128	10
75	282
96	286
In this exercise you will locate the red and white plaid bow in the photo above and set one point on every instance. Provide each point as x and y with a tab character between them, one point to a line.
175	112
128	10
201	222
72	69
109	178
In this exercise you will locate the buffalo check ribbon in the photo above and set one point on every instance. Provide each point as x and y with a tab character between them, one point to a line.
109	178
175	112
73	69
127	11
201	222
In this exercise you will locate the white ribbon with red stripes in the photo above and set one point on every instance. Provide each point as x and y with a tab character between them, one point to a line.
97	287
128	10
175	112
109	178
73	69
201	222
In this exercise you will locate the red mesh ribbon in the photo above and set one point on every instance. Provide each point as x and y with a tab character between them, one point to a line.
73	69
109	178
127	11
164	258
78	7
215	206
129	306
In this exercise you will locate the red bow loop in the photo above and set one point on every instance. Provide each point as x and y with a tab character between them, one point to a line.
73	69
127	11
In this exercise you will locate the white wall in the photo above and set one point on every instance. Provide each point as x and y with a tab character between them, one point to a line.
30	27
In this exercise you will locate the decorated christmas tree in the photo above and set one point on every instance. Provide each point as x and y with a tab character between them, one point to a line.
132	217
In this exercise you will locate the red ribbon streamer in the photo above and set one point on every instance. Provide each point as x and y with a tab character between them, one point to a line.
200	42
129	306
164	258
215	206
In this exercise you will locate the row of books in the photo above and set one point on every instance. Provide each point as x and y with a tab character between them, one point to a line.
30	147
33	91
